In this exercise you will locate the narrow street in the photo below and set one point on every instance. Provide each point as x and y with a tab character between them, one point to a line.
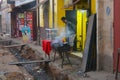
11	72
59	40
41	71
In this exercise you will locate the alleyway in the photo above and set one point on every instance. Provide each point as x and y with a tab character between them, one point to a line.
85	34
66	73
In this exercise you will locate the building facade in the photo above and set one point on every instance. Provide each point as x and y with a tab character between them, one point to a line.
5	17
22	14
49	13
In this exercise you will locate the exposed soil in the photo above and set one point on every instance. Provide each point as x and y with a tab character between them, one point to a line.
16	76
29	53
41	71
11	72
38	70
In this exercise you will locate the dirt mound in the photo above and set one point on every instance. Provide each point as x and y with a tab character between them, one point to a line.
29	53
4	52
18	76
15	76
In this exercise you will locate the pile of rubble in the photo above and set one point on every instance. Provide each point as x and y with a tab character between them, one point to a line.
11	72
17	76
28	53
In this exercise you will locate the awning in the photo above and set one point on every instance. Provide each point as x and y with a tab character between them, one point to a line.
24	7
22	2
10	1
39	4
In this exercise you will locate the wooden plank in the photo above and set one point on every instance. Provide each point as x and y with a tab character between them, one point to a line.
87	44
15	45
28	62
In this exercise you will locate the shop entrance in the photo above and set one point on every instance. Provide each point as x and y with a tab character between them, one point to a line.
25	18
85	41
79	18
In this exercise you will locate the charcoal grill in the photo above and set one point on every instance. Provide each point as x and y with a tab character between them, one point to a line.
63	51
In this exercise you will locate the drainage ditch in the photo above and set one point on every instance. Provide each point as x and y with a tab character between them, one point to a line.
40	71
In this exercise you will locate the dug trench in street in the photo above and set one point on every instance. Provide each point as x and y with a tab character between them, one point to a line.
65	73
11	72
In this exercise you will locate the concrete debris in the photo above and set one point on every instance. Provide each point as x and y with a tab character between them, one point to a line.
82	74
30	54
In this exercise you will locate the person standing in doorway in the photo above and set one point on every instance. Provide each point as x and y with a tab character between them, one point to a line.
70	31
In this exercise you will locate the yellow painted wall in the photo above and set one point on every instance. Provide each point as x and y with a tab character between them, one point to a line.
81	27
55	13
60	12
84	27
50	14
41	16
93	6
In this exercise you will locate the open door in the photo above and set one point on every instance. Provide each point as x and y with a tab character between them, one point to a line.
81	29
79	18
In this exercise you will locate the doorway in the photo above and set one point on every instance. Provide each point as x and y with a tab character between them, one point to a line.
79	19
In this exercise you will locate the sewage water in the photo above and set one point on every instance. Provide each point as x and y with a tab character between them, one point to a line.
40	74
